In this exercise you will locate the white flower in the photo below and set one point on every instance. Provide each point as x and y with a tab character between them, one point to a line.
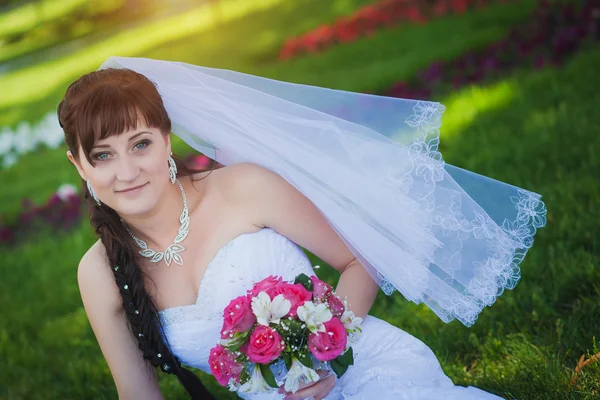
6	141
268	311
49	131
351	322
299	373
232	384
256	383
314	316
65	191
9	160
23	138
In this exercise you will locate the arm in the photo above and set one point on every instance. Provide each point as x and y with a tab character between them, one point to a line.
133	376
285	209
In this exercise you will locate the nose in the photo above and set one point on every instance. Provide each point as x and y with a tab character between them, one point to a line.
127	169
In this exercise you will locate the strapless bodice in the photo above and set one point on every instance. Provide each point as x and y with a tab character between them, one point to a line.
388	362
192	330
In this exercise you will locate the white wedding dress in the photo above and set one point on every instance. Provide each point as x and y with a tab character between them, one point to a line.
388	363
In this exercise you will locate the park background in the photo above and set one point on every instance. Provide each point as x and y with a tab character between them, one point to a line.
519	80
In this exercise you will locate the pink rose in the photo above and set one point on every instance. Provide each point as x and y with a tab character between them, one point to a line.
223	365
336	306
264	345
237	317
268	285
326	346
296	294
321	290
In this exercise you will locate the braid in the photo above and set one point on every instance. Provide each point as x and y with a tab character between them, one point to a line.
139	307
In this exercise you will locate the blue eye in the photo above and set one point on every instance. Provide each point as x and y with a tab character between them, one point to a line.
104	155
100	156
143	144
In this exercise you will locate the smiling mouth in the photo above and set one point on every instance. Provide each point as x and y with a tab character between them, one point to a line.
133	188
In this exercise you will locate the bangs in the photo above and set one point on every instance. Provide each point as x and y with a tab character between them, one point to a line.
113	108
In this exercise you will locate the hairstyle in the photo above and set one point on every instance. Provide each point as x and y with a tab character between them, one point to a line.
97	105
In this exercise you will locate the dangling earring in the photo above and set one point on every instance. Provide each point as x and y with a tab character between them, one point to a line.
172	169
92	193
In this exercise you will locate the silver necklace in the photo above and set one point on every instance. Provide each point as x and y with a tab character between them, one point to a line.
172	252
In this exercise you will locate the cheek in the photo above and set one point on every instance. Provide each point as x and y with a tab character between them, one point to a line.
101	178
155	165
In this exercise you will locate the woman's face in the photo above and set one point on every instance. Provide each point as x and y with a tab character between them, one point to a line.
131	169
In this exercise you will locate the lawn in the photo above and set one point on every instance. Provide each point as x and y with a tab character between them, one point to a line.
535	129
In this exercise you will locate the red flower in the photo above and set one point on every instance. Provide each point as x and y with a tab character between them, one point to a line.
268	285
223	365
326	346
237	317
296	294
264	345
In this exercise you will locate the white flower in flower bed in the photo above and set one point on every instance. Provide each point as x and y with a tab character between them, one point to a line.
27	137
6	141
49	132
65	191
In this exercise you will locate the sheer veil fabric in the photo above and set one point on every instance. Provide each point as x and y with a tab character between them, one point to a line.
438	234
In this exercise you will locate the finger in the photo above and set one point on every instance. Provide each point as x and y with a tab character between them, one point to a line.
322	373
320	388
330	385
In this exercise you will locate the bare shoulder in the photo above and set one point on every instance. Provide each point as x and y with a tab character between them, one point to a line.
234	180
95	279
244	187
246	175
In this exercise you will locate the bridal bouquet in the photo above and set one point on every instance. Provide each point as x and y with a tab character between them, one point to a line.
282	333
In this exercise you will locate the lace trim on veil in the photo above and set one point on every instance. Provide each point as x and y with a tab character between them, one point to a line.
506	243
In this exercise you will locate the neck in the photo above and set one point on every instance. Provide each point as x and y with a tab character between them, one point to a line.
159	226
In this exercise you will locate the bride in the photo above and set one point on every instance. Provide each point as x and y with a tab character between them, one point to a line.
176	245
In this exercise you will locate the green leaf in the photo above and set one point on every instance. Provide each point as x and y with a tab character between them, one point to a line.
238	341
338	368
341	363
288	361
244	375
305	281
294	334
347	358
305	359
268	375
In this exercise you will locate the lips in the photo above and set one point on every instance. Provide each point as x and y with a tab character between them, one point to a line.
131	189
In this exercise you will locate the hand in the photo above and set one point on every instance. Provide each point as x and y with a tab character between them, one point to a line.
312	390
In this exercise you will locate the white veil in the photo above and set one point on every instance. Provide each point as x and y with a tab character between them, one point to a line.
438	234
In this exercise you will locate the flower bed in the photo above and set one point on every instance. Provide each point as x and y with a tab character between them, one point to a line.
62	211
368	19
28	137
555	31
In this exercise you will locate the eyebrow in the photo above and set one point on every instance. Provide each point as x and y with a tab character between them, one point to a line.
130	139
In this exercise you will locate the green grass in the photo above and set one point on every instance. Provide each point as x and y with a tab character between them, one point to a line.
40	83
32	15
535	129
32	84
368	64
46	29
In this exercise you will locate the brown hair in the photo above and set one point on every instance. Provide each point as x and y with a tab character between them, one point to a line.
97	105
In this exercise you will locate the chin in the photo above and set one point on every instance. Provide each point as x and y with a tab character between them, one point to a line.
135	206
